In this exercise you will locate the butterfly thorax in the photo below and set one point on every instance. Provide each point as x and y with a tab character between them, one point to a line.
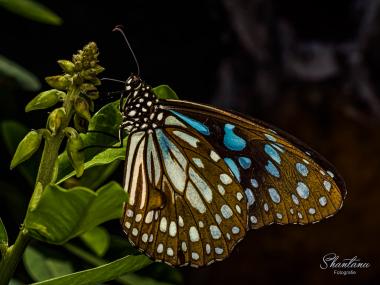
141	110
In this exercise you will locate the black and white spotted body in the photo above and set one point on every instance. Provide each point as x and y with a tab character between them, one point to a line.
141	110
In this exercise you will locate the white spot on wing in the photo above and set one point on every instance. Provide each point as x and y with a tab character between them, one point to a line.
160	248
208	248
250	197
302	190
149	217
163	224
235	230
327	185
274	195
169	251
138	218
198	162
205	190
214	156
187	138
184	246
323	201
195	199
226	179
221	189
129	213
295	199
215	232
226	211
218	219
172	229
180	221
218	250
193	234
172	121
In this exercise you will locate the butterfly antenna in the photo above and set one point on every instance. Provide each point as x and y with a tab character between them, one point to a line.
112	79
120	29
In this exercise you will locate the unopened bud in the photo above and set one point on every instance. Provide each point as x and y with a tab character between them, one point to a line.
67	66
26	148
45	100
98	69
74	150
55	120
90	91
60	82
80	124
82	108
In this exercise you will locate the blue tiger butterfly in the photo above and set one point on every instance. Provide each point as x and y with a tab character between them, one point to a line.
199	177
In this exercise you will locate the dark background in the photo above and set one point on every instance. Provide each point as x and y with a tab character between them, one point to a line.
308	67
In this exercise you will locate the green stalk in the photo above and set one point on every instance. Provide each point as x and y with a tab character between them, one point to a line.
13	256
45	174
79	77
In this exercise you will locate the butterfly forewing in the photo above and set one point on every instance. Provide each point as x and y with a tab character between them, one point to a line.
284	181
185	206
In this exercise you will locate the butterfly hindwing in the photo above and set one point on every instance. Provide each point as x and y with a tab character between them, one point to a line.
185	206
284	181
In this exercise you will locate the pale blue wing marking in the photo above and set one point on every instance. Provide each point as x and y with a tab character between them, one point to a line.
202	128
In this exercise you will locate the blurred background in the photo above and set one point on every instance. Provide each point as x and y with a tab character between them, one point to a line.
310	68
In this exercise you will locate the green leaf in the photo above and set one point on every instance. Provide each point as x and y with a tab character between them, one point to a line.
97	239
107	120
42	266
102	273
103	158
95	176
164	92
32	10
25	78
12	133
62	214
3	238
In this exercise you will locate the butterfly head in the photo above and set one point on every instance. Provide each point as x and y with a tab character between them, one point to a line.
133	83
141	109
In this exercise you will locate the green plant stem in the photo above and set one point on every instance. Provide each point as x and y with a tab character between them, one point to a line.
52	144
13	256
45	175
